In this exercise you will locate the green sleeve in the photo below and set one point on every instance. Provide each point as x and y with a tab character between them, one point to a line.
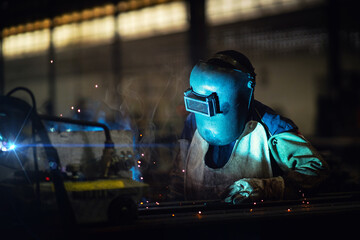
303	167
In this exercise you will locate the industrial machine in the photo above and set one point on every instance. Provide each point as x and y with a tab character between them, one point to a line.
37	189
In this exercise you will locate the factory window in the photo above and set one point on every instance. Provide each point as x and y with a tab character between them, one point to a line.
66	34
97	30
227	11
98	26
26	43
155	20
91	31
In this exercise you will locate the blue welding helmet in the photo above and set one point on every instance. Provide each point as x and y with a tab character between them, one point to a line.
220	97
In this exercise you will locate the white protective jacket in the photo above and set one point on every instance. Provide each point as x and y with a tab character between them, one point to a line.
249	172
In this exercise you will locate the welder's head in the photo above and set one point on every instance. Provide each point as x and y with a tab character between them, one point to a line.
220	95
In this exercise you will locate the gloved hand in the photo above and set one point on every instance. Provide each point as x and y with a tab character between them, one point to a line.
255	189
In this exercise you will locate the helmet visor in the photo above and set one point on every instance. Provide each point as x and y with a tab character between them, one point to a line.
197	103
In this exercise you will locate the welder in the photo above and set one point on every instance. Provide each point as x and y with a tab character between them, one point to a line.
233	147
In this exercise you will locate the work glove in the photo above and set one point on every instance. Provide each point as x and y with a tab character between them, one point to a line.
255	189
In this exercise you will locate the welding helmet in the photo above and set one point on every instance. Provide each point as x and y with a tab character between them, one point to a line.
220	95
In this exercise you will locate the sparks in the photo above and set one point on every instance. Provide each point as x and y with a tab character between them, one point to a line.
51	61
96	86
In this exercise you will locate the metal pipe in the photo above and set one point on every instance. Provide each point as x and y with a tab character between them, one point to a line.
108	142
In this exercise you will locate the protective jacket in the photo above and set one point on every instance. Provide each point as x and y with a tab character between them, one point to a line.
270	153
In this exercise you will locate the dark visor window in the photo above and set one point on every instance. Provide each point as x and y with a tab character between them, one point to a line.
197	106
197	103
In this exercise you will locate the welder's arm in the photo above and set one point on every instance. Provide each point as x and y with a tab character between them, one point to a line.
255	189
176	187
303	167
